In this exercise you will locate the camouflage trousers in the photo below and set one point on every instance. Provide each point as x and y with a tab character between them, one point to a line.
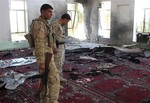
53	85
59	59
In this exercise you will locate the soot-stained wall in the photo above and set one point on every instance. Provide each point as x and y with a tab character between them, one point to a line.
122	17
90	18
122	21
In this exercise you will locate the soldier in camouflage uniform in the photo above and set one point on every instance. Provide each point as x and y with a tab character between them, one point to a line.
57	27
41	32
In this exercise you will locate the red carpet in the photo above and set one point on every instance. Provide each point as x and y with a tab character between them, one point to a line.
127	82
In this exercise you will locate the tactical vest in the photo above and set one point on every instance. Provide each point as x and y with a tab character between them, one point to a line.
30	35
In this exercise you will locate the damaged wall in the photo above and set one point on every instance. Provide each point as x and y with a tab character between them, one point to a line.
122	21
122	17
90	18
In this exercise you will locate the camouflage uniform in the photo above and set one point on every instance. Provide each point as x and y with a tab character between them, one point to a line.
148	41
41	32
59	57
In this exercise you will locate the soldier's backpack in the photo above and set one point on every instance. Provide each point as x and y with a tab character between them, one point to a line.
30	35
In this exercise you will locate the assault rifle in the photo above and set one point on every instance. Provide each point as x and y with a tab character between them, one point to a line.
43	76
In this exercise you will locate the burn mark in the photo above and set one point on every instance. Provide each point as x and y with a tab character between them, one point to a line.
82	1
121	31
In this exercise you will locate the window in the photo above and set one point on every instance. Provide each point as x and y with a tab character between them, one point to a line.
18	16
104	19
72	10
146	24
143	24
76	25
18	19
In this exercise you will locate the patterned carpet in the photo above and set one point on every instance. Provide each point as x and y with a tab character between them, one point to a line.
113	77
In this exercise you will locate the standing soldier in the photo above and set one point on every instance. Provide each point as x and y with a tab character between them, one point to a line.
41	35
57	27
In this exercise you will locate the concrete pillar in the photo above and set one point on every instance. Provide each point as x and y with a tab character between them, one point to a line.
122	21
90	18
5	33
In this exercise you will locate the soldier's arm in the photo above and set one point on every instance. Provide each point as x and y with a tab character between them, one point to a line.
59	34
53	32
39	42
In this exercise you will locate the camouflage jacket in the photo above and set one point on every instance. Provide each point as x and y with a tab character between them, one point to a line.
41	39
58	31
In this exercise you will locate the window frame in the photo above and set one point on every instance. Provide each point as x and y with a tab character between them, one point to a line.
16	15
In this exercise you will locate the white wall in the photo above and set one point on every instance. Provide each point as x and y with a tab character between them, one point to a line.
60	7
5	34
33	6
